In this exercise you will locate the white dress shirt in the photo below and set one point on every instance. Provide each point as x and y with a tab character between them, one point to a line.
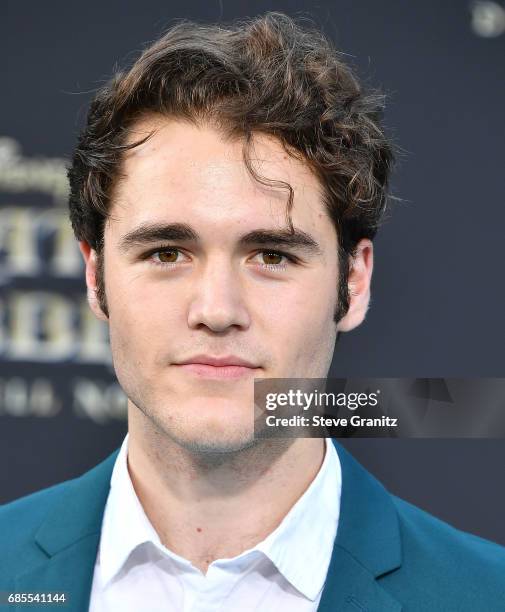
135	572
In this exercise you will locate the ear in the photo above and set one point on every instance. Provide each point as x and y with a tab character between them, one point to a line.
360	276
90	260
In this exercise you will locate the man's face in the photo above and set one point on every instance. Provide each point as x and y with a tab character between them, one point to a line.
199	265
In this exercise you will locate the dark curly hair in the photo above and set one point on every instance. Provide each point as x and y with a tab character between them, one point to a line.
270	74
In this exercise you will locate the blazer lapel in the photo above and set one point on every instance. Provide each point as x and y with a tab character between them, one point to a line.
69	539
367	544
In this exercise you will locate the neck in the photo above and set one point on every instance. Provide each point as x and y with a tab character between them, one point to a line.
205	508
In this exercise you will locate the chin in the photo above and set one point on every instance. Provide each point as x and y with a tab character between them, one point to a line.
214	439
217	445
210	424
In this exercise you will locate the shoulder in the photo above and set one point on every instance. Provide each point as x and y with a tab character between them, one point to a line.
423	531
21	519
33	506
66	510
423	562
18	516
445	560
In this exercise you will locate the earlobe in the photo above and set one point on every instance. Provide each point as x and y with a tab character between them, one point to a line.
359	280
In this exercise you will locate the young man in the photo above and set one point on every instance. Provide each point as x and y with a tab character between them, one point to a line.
225	193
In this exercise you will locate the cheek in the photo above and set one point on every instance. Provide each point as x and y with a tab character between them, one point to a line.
143	301
300	319
144	319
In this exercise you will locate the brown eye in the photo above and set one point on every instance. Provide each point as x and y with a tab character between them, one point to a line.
168	256
272	258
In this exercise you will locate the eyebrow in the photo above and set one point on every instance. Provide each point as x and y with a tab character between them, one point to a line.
154	232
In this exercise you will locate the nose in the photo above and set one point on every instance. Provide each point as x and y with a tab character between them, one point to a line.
217	301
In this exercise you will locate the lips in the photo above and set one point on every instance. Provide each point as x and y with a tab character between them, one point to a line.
227	360
206	366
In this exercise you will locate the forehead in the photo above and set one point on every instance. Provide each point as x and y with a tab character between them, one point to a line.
193	173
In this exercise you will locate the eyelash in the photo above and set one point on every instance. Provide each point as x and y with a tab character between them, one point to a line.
271	267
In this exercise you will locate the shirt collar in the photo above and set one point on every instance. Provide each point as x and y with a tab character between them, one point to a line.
300	547
125	524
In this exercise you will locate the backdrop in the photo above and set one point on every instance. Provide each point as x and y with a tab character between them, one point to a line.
438	294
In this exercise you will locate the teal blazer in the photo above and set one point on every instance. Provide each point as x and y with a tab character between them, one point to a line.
388	555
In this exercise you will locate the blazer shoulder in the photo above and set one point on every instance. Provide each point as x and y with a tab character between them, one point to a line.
29	506
448	556
419	523
20	519
66	507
